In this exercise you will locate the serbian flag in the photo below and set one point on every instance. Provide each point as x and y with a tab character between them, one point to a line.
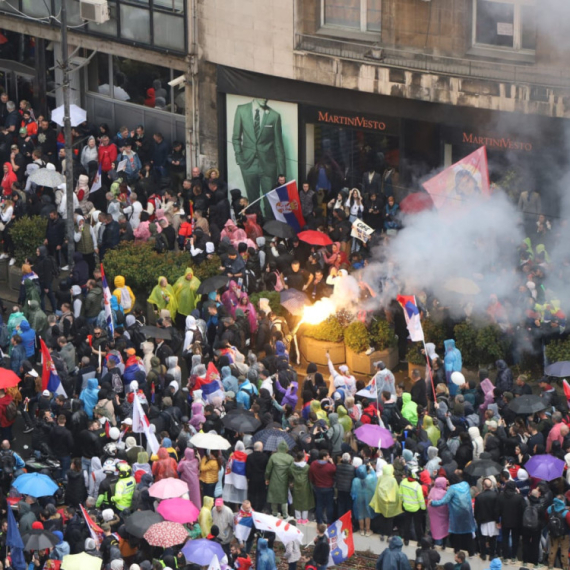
95	530
243	528
107	301
235	470
50	377
286	205
96	181
341	540
412	314
142	425
463	180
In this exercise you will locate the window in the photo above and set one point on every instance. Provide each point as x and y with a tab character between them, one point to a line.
505	24
355	15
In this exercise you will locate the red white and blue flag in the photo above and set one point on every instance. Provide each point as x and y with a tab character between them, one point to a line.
142	425
286	205
107	302
412	314
235	470
96	181
340	539
50	377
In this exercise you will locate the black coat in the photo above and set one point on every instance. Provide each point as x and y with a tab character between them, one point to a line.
75	493
486	507
255	468
511	506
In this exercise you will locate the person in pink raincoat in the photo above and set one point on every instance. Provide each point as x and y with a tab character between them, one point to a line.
438	516
189	471
230	298
249	311
488	393
233	233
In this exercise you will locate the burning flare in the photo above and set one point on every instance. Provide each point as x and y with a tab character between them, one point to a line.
318	312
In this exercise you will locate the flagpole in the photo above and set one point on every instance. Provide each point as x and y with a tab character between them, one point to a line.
260	198
429	369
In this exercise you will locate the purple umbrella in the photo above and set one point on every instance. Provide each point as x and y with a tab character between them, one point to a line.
374	436
545	467
202	551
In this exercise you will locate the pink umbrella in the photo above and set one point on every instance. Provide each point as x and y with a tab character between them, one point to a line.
178	510
166	534
374	436
168	488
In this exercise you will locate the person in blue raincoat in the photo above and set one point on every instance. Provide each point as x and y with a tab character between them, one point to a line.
265	557
362	491
461	520
393	558
453	363
90	396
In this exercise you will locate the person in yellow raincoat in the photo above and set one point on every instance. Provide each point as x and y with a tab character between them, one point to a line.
205	516
124	295
185	290
386	500
163	297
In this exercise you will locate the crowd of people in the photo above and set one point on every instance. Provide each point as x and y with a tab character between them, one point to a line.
218	364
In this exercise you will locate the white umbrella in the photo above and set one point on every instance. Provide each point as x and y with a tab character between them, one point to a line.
209	441
47	177
76	114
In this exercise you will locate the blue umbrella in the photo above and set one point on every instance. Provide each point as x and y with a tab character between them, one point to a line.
545	467
202	551
558	369
271	438
294	301
35	485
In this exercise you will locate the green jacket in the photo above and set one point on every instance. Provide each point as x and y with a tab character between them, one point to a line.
302	491
277	473
412	496
124	490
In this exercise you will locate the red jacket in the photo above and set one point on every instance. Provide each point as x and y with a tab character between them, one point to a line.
322	474
4	402
107	155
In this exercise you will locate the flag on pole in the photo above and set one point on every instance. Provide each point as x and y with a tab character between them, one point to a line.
412	314
50	377
96	182
243	528
95	530
463	180
142	425
341	540
14	542
286	205
107	302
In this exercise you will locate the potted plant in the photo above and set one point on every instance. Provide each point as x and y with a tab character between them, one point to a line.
416	359
316	340
27	234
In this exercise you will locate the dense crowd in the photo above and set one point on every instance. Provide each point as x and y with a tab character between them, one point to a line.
452	470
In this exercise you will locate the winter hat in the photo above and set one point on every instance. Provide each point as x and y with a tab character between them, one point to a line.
108	515
130	442
131	351
117	564
343	368
166	442
59	535
46	394
114	433
37	525
135	567
89	544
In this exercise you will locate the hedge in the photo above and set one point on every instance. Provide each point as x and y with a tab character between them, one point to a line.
28	234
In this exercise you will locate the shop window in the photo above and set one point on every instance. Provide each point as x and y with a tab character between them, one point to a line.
505	24
354	15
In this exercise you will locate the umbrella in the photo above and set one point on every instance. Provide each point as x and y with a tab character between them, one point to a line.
8	379
202	551
178	510
39	540
81	561
210	441
483	468
314	237
416	203
462	286
279	229
166	534
76	114
212	284
294	301
168	488
138	523
285	532
374	436
241	421
545	467
35	484
271	438
46	177
558	369
527	404
155	332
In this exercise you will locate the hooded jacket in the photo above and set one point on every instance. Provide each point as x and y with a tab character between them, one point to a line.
28	336
265	557
121	292
458	500
504	380
409	409
37	319
335	433
277	473
93	302
393	558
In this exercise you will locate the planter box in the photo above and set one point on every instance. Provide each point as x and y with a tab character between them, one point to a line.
412	367
4	270
316	351
361	363
14	277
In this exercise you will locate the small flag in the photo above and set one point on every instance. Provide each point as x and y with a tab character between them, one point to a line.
412	315
286	205
15	543
95	530
96	182
340	539
142	425
107	302
50	377
243	528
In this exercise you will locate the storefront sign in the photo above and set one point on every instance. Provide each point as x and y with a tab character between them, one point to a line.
496	143
359	122
355	121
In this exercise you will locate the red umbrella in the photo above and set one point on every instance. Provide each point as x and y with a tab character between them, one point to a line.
416	203
8	379
314	237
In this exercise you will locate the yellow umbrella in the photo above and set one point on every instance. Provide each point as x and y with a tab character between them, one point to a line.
82	561
462	286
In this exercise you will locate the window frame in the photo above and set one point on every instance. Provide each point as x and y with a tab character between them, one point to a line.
362	31
517	29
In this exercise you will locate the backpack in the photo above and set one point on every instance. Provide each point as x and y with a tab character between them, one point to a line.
54	266
11	411
117	383
530	518
160	243
7	464
120	317
556	525
126	302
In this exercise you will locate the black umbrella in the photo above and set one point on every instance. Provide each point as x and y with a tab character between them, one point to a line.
138	523
155	332
241	421
528	404
272	437
212	284
279	229
483	468
39	540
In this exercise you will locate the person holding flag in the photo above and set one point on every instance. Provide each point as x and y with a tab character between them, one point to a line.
107	303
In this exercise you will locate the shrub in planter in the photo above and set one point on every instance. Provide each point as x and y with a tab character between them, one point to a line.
208	268
466	341
329	330
414	355
381	335
356	336
433	332
274	301
28	234
558	350
492	344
